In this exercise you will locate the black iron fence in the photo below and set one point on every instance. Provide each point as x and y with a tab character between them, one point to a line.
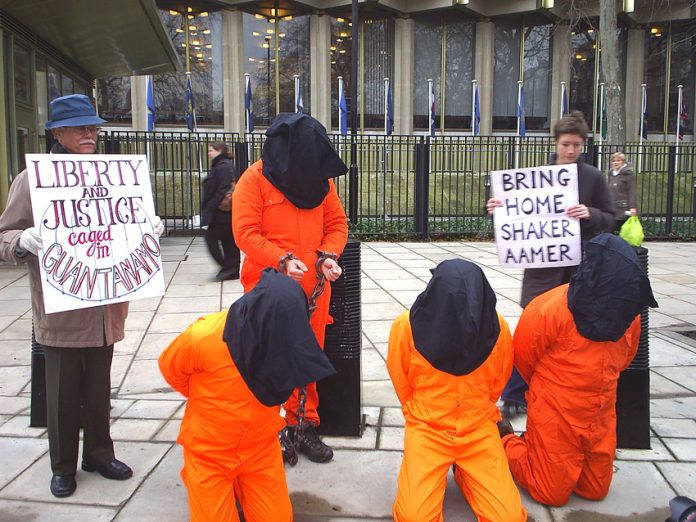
417	187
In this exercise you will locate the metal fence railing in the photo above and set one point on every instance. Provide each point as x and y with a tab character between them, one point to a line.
417	187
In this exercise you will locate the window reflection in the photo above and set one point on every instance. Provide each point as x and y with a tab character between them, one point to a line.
427	64
22	83
378	63
341	52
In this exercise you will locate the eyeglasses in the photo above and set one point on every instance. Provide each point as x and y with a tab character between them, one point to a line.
81	129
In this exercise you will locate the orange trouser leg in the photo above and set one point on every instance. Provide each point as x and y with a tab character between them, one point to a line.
547	474
210	490
428	455
261	485
484	478
598	467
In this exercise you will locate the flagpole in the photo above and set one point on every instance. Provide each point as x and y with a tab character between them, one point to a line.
248	115
564	98
642	126
296	77
340	112
431	122
680	89
601	124
473	108
386	102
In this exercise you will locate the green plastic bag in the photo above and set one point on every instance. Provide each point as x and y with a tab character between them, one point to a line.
632	231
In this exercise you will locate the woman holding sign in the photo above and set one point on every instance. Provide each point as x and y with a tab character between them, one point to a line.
595	211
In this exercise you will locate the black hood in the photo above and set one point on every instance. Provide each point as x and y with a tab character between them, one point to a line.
298	159
608	290
270	340
454	322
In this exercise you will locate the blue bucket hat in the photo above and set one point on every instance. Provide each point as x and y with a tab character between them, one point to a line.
72	110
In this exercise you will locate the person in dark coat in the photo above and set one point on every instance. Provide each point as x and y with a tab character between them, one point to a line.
622	186
595	211
218	236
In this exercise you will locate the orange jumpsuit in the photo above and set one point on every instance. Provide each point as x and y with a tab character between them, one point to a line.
266	226
451	419
571	425
230	439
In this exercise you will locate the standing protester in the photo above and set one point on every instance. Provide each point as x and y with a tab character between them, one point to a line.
216	211
596	214
449	358
235	368
286	214
571	344
78	345
622	187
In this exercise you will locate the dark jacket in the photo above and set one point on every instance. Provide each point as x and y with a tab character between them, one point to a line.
216	183
622	187
593	193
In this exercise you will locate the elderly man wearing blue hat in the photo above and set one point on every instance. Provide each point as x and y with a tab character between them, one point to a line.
78	344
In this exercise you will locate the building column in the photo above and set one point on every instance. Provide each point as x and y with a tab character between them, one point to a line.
635	68
402	89
139	103
483	73
233	71
560	71
4	125
320	68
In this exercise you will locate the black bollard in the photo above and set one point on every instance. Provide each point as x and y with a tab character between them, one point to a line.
633	392
339	395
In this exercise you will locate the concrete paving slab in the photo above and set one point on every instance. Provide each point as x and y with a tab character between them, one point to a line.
638	493
681	476
173	323
153	344
13	405
402	283
368	440
92	488
130	343
391	438
379	393
202	305
392	417
676	428
169	432
677	408
664	352
376	331
118	406
657	451
188	290
18	426
145	305
17	511
143	378
7	320
405	297
19	329
135	429
381	311
372	366
661	387
368	493
683	449
13	379
383	349
681	375
17	455
119	368
152	409
138	321
371	415
376	295
162	495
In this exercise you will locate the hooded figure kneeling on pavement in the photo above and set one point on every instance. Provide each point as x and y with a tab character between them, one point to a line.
449	359
571	344
236	367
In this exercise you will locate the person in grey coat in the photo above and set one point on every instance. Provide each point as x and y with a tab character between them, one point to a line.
622	187
78	345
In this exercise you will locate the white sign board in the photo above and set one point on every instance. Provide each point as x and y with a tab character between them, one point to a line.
95	216
532	229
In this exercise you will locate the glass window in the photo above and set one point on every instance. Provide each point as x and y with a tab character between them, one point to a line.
583	45
506	73
682	73
114	99
427	64
22	79
54	83
259	63
293	51
459	71
41	90
378	63
67	85
537	77
341	53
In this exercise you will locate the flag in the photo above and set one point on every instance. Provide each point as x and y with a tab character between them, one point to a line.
477	111
150	101
342	110
644	116
190	112
683	118
431	99
248	105
564	99
299	106
390	112
521	127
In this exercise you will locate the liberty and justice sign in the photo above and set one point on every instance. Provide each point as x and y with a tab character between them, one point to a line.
95	216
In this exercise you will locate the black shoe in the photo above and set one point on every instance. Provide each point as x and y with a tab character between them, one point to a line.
505	428
287	445
310	445
510	410
227	275
63	485
114	470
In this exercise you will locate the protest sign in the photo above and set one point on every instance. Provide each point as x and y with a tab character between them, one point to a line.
95	216
532	229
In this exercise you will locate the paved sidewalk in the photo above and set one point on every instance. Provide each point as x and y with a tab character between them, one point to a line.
360	483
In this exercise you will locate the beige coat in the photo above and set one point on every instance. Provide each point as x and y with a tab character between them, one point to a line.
85	328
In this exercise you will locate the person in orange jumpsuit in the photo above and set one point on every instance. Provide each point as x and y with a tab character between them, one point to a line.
449	359
235	368
287	214
570	345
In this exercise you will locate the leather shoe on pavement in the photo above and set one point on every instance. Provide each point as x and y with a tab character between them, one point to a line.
114	470
63	485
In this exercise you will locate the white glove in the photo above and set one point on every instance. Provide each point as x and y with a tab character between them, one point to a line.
30	240
158	226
